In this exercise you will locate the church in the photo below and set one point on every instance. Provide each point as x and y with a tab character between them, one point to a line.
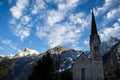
85	68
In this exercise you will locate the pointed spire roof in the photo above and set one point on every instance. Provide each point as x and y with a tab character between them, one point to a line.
93	25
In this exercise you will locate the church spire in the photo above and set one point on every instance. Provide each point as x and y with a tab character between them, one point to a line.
93	25
93	30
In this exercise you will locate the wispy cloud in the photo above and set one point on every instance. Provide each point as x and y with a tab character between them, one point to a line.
114	13
52	19
9	43
59	25
18	9
108	12
59	35
21	31
81	19
39	4
86	42
104	8
19	24
49	23
55	32
111	31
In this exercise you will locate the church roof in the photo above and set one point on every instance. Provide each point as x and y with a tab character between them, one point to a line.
107	55
93	25
81	55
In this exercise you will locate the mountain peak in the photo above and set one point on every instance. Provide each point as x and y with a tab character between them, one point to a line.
106	45
26	52
58	49
115	38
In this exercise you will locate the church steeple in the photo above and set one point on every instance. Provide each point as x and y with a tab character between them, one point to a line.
94	40
93	29
93	25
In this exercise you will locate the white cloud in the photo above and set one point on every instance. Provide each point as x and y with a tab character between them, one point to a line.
118	19
39	4
64	33
18	9
35	10
59	35
110	31
72	3
21	32
81	19
86	42
104	8
113	13
21	28
54	17
9	43
61	6
66	5
25	19
41	32
48	23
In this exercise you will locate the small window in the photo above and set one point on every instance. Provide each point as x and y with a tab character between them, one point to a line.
82	59
96	48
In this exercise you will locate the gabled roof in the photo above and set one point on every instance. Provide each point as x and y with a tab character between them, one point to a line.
80	57
107	55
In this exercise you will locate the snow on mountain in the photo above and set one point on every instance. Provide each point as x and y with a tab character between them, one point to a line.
67	58
26	59
24	63
26	52
66	55
106	45
10	56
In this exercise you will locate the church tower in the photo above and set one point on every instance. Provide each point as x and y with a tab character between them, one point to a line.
95	51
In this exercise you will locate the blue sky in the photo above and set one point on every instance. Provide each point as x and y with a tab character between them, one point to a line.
43	24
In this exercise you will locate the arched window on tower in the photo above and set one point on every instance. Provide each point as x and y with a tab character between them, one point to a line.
83	74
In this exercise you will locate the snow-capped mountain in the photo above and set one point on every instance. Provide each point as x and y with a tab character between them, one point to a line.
24	62
26	52
106	45
67	55
10	56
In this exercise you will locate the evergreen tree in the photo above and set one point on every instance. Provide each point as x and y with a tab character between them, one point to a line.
66	75
44	69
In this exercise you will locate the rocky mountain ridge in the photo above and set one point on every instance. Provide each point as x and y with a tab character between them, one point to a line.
26	59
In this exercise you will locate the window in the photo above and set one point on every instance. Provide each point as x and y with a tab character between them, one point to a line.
96	48
83	74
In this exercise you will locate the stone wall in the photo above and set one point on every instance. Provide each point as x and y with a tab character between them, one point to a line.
79	64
